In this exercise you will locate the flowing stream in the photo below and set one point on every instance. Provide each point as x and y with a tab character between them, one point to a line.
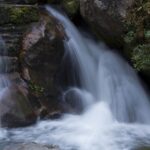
116	108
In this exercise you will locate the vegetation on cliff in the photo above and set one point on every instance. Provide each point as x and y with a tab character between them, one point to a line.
137	38
18	15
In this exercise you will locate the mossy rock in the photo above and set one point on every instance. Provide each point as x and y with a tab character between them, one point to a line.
18	15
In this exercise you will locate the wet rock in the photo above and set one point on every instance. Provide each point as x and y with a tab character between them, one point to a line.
18	14
15	108
29	146
41	55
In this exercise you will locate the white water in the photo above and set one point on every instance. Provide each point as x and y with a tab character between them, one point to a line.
116	108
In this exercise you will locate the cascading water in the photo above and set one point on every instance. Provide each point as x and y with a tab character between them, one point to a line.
112	98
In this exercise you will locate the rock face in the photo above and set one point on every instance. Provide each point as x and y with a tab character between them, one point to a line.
16	110
29	62
15	107
41	55
106	18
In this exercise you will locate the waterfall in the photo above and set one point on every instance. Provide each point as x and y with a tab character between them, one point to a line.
116	108
105	76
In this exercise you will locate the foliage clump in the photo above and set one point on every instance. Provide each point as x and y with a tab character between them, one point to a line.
35	88
141	57
18	15
137	38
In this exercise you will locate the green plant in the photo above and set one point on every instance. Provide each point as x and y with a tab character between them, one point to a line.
35	88
141	57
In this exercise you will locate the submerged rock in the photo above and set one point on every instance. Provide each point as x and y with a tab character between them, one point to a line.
144	148
15	108
29	146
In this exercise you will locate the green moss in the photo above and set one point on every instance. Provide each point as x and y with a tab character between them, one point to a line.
36	89
147	34
144	148
18	15
23	15
129	37
71	6
141	57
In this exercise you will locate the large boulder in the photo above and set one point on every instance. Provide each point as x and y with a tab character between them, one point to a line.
15	108
106	18
41	55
